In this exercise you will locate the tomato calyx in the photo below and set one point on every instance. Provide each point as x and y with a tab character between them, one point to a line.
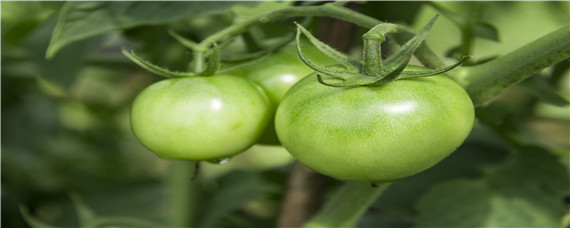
372	71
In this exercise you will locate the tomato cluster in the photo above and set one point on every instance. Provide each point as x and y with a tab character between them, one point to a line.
214	117
367	133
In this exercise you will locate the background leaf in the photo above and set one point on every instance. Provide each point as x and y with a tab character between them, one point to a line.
524	192
543	90
459	203
80	20
235	190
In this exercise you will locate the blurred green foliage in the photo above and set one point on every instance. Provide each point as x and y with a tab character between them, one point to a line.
65	127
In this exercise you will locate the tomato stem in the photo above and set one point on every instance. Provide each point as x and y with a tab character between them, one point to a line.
372	55
485	81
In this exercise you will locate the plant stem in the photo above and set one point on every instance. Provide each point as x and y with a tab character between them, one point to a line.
197	64
183	194
301	201
347	205
485	81
423	53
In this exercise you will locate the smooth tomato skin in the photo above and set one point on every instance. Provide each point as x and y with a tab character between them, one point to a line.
374	134
200	118
276	74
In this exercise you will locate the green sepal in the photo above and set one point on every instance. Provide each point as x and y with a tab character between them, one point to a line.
213	66
393	68
431	72
348	71
375	74
394	73
340	57
368	81
402	54
154	68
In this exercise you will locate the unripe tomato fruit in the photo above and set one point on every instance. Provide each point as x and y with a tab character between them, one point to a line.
200	118
276	74
374	133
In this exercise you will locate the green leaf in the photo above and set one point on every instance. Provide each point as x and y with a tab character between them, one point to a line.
458	203
81	20
537	164
486	31
526	191
539	86
482	149
469	203
64	67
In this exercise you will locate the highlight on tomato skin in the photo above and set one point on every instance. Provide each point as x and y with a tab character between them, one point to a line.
374	133
200	118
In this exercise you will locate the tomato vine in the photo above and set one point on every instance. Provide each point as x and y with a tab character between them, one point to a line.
482	82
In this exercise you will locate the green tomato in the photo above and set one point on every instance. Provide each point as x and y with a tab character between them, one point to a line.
276	74
200	118
374	134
